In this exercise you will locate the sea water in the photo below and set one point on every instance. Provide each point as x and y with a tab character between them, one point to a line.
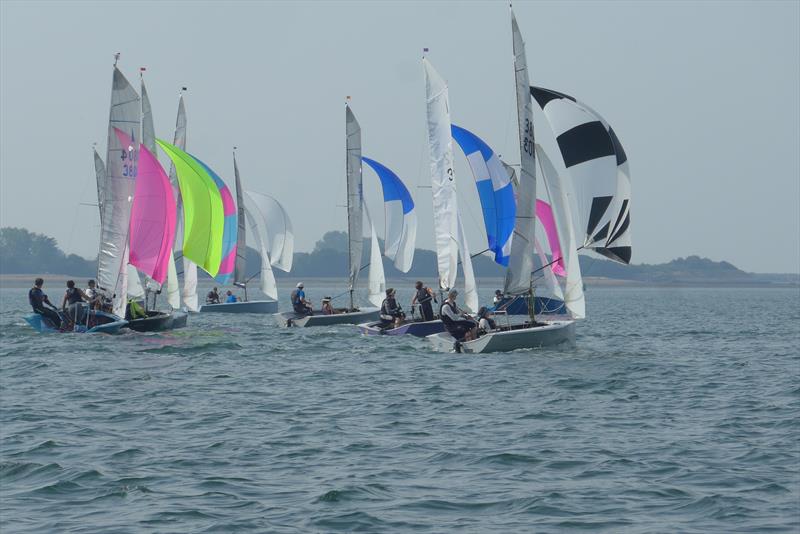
677	411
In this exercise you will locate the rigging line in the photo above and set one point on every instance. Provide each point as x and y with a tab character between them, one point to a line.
476	254
555	260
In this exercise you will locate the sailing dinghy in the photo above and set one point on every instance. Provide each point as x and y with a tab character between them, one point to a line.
356	210
519	272
270	305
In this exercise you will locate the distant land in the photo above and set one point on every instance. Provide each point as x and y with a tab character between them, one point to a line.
24	252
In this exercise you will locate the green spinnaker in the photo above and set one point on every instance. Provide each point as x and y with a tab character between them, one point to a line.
203	213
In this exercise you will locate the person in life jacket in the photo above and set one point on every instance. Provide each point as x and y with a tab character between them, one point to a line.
38	300
134	310
230	298
423	296
391	312
212	297
93	296
457	323
71	303
299	302
327	309
485	322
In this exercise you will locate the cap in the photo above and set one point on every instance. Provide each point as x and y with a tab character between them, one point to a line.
299	284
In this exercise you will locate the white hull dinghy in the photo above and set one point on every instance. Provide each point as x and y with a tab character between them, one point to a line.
248	306
359	316
524	336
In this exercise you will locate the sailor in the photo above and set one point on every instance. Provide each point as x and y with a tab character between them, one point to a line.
73	297
327	309
423	297
457	323
230	297
212	297
391	312
134	310
38	299
299	302
498	297
485	322
92	295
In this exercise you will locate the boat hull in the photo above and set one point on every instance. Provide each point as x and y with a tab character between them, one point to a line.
550	334
250	306
416	328
356	317
158	321
112	324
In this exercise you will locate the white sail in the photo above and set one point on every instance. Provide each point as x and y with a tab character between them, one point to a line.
240	268
121	164
100	172
172	287
135	289
276	234
520	264
189	292
377	281
355	197
559	193
443	186
470	288
268	285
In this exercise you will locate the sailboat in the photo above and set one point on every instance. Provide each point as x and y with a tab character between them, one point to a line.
519	272
356	211
240	278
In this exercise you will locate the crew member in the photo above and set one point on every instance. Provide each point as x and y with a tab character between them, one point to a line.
391	312
423	297
73	297
230	297
299	302
93	295
485	322
327	309
38	299
457	323
213	297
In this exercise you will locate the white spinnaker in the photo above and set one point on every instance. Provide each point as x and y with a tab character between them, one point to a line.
189	293
240	268
376	284
355	197
559	193
277	235
520	263
443	186
471	301
268	285
120	182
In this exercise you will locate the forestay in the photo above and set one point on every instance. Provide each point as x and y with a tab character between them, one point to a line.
495	192
121	166
598	167
401	218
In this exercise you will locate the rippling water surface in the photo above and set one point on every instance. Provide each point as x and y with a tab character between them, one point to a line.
679	410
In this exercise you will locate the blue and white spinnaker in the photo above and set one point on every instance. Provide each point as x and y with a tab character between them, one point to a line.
401	218
495	191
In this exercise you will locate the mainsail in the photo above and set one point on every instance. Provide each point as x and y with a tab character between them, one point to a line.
355	197
189	293
598	167
100	172
152	222
443	187
520	265
495	191
239	273
401	218
121	167
203	210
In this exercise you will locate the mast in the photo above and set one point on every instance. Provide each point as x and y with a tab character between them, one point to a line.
354	198
518	280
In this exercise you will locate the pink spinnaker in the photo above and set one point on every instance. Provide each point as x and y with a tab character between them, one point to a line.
545	215
153	217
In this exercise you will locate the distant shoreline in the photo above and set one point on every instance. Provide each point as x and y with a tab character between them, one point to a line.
13	281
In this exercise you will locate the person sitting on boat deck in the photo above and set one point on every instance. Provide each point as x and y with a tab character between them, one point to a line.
457	323
299	302
423	297
485	322
73	297
391	312
134	310
498	297
231	298
93	296
212	297
38	299
327	309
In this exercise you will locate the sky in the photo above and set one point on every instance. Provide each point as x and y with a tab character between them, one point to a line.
704	96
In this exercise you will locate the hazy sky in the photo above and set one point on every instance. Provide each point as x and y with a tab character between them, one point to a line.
703	95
